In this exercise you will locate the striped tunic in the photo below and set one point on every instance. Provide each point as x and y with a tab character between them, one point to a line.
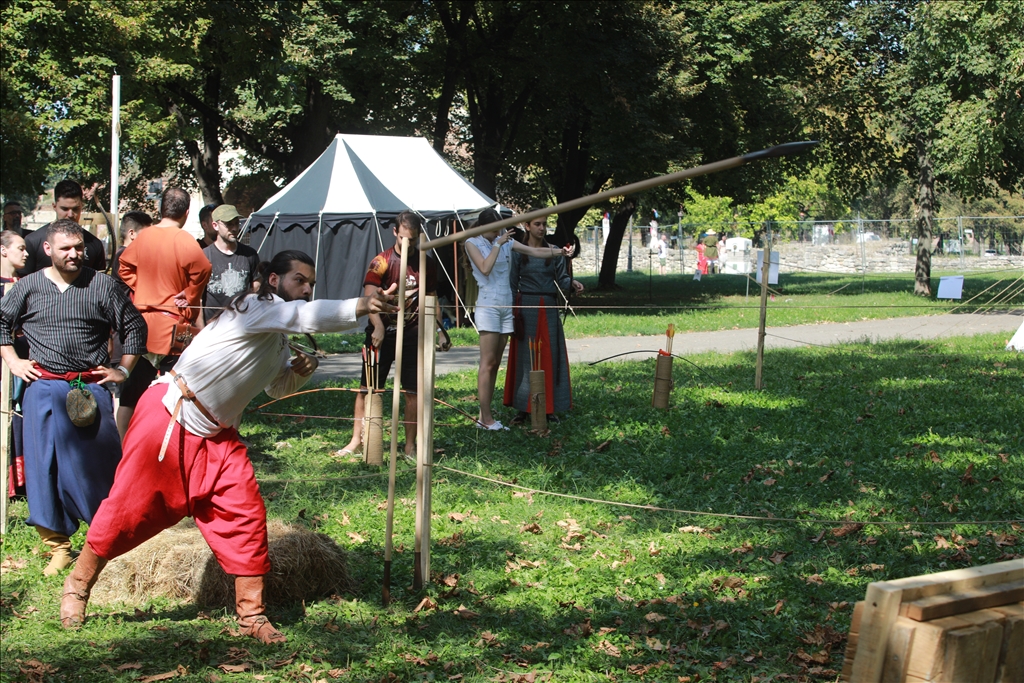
68	331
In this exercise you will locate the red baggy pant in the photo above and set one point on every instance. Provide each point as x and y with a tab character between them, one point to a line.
149	496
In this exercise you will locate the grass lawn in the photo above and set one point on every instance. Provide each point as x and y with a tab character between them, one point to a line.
528	585
645	305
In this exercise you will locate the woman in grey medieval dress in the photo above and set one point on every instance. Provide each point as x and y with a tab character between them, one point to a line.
540	287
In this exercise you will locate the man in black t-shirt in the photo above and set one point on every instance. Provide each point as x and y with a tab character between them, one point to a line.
234	264
67	203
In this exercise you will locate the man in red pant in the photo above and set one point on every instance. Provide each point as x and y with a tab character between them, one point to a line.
182	455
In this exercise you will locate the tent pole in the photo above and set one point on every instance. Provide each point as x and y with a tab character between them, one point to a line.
269	228
395	402
319	237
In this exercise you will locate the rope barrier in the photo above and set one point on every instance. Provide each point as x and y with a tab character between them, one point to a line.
723	515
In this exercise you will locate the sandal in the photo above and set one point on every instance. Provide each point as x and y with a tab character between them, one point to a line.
519	419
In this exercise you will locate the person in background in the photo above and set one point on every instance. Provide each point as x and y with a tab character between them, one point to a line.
167	272
12	257
67	312
711	251
206	221
382	332
132	223
67	203
662	253
490	255
702	260
13	214
541	287
233	264
183	456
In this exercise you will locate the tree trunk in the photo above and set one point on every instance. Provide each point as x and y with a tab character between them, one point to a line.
925	213
312	133
610	259
444	100
206	163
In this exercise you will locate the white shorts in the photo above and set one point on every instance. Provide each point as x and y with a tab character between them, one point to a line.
493	315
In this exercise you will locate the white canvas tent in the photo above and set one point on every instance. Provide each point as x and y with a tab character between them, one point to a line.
339	209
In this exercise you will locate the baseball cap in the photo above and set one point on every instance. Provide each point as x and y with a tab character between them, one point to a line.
225	213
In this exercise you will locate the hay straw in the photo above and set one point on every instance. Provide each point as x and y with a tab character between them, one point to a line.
178	564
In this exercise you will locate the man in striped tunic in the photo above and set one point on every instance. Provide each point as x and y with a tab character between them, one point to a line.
67	311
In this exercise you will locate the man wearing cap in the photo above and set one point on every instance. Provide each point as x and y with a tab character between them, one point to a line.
167	272
234	264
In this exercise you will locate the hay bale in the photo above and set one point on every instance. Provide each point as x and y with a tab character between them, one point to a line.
178	564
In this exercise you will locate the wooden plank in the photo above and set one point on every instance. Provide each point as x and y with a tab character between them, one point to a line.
926	655
1011	655
849	655
881	609
858	614
901	638
938	606
972	654
958	580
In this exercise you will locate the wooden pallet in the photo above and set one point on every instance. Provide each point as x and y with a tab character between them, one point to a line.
961	625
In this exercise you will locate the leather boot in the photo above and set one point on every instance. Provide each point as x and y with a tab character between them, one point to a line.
78	586
60	550
251	611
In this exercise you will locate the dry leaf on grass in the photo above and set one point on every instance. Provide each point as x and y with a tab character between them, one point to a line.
604	647
425	603
778	556
180	671
465	613
533	528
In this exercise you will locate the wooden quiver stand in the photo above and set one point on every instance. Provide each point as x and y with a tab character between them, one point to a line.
662	381
972	634
373	429
538	400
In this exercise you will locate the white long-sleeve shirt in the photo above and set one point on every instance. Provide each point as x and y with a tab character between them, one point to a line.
239	355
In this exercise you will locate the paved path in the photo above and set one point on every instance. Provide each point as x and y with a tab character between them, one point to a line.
347	365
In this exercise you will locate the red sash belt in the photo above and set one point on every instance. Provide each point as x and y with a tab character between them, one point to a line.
88	376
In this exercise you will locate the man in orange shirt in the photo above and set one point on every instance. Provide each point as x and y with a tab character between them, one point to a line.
168	272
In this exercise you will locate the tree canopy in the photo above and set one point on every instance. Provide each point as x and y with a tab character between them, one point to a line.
537	102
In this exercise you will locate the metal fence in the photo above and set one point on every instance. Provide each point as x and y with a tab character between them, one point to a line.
842	246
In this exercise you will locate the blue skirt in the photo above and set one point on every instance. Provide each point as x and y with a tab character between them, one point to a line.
68	470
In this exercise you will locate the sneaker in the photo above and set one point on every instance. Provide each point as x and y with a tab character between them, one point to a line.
553	419
493	427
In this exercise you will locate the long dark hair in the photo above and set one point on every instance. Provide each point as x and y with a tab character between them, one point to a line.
280	265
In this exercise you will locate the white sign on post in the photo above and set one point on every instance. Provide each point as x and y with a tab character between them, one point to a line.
951	287
773	267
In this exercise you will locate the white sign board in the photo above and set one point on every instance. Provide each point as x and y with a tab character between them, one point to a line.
773	267
1017	342
951	287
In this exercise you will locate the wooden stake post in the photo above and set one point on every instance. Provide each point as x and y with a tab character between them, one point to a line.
395	405
765	269
663	372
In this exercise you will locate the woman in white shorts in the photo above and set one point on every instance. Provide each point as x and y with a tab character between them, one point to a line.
490	255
